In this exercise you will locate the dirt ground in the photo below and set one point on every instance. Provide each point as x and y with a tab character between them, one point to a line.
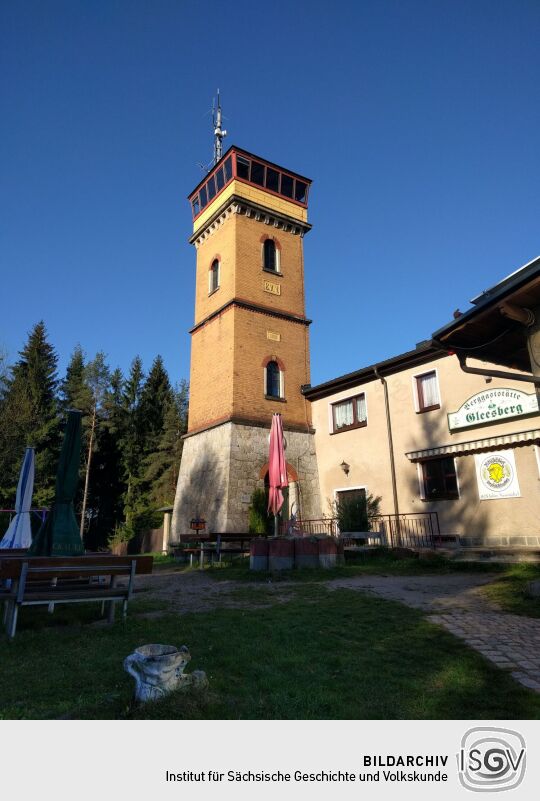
197	591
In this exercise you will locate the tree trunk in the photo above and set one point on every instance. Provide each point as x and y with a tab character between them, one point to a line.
88	461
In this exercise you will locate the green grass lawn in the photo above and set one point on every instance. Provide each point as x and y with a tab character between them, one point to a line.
374	562
323	654
508	591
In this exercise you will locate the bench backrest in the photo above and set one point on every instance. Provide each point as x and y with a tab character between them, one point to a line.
74	566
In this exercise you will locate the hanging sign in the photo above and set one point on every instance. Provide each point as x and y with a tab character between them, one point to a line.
496	475
493	406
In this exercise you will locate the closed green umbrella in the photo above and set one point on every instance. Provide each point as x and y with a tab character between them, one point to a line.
59	534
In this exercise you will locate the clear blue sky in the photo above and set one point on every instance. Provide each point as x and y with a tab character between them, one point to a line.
419	123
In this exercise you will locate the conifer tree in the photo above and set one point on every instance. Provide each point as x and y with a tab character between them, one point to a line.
30	417
4	372
107	485
163	464
155	398
74	390
132	437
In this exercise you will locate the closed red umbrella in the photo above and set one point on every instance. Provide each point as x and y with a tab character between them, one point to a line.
277	467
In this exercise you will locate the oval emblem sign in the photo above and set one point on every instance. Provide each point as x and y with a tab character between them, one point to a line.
496	475
493	406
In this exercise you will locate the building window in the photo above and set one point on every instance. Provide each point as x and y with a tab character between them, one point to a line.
273	380
213	277
439	480
272	179
242	167
300	191
257	173
427	392
220	179
286	185
350	413
270	261
211	186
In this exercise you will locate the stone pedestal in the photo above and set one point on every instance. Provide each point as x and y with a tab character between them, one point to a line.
222	466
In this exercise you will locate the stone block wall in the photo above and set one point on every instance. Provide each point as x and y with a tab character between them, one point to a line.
222	466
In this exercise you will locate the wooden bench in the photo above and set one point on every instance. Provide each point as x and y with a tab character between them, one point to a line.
45	581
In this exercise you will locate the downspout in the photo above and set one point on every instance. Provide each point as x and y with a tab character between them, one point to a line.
390	450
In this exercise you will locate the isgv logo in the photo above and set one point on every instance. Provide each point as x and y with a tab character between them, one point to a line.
491	759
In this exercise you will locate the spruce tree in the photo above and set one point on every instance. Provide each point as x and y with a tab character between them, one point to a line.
163	464
132	439
107	485
155	398
30	417
74	390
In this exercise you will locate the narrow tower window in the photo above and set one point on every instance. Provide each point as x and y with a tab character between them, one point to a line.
269	260
213	277
273	380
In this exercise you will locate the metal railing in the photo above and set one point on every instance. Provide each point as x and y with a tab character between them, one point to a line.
407	530
320	525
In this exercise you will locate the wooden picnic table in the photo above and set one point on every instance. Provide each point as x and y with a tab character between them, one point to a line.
216	548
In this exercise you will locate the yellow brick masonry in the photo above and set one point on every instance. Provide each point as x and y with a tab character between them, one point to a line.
228	351
273	203
237	244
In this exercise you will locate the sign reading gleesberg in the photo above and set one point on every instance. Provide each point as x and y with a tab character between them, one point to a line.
493	406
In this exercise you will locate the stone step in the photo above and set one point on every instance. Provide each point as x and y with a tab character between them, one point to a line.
497	555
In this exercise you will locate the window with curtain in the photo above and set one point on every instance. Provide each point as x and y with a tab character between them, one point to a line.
350	413
427	390
269	255
273	380
213	277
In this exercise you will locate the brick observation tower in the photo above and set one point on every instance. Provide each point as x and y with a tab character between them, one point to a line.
250	344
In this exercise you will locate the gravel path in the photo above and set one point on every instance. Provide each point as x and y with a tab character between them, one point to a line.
456	602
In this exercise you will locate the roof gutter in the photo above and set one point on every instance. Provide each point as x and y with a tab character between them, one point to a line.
528	377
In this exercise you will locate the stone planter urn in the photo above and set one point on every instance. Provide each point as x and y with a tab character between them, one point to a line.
159	670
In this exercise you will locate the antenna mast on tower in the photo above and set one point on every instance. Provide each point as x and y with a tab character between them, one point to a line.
219	133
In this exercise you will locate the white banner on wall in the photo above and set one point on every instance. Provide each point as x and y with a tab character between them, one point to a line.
496	475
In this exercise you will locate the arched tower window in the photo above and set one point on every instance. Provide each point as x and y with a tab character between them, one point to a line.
273	380
270	261
213	277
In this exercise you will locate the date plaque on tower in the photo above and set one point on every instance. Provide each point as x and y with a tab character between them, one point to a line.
270	286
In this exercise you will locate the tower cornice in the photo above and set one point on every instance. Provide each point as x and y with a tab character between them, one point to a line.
240	303
236	204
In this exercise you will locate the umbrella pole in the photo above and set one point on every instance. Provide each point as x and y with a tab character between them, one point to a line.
276	526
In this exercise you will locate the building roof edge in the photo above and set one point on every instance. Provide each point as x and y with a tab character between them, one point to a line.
423	353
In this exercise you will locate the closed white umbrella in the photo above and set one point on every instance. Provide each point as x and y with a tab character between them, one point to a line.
19	533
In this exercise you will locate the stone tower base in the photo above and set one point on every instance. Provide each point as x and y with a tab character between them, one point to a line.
222	466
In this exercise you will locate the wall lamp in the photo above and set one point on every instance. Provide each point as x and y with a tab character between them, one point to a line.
345	467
